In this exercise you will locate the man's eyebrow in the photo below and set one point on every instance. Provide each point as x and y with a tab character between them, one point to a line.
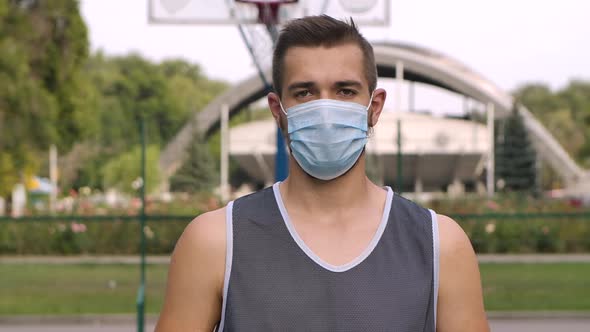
348	83
300	85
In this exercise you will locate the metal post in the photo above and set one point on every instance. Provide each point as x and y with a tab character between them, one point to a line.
418	187
53	177
142	217
469	107
281	157
399	78
411	97
224	153
399	180
491	160
466	105
539	176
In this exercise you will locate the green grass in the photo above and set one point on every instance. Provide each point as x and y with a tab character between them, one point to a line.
78	289
563	286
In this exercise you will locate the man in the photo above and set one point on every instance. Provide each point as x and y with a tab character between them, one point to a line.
326	249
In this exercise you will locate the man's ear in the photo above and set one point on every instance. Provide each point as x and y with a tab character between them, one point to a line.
377	104
274	103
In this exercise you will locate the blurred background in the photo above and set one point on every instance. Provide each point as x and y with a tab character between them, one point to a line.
120	121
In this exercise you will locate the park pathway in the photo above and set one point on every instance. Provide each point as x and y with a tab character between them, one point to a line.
497	325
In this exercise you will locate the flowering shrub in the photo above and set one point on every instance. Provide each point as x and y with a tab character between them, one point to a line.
489	224
88	237
512	223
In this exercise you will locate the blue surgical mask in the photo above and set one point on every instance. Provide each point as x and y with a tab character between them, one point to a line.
327	136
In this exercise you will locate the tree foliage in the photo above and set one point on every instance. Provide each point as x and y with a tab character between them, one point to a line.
130	88
199	172
43	45
515	157
165	94
123	171
53	91
565	113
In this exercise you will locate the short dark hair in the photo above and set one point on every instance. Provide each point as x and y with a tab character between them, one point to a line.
321	30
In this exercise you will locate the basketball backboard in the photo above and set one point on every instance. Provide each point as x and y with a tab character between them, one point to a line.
228	12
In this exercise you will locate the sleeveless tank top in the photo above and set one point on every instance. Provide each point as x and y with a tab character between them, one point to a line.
274	282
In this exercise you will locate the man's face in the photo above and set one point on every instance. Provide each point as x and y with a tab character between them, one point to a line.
311	73
337	72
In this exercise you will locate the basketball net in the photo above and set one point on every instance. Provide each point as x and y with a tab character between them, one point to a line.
259	38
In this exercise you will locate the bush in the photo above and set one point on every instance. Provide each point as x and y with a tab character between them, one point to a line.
97	229
507	224
516	235
516	223
105	237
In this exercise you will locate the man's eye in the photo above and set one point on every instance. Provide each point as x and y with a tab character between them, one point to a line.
347	92
302	93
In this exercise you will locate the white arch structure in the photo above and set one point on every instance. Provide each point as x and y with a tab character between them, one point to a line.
420	65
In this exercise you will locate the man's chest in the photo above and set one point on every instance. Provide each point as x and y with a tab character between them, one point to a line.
338	244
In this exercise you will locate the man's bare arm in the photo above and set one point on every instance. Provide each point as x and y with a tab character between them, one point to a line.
195	277
460	300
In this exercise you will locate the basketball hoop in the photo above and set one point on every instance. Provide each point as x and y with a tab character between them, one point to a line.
262	12
268	10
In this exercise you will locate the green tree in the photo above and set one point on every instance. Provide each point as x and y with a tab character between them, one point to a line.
576	95
43	47
126	89
565	113
515	157
131	87
8	174
54	92
54	40
538	98
198	172
122	171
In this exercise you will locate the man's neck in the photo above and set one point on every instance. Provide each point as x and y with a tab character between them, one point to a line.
347	191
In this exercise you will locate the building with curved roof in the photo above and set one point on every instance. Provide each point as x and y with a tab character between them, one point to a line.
412	63
436	151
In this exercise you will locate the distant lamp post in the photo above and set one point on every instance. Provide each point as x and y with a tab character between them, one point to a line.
140	183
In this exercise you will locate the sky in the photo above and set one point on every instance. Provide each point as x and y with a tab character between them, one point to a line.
510	42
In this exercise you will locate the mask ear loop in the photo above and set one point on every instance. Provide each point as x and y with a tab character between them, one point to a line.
370	131
370	100
282	109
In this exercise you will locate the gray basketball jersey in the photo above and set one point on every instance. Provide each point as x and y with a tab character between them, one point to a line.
274	282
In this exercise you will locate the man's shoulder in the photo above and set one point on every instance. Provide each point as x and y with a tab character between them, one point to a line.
408	202
196	274
256	196
452	237
206	233
460	296
255	205
453	240
208	222
210	228
411	210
